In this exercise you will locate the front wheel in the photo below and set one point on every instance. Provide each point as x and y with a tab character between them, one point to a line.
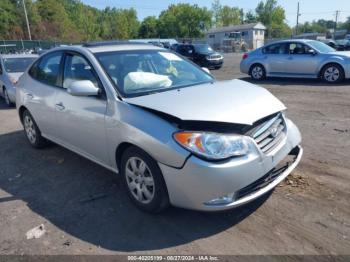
144	181
257	72
332	73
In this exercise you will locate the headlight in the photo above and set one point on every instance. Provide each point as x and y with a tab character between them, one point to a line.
213	145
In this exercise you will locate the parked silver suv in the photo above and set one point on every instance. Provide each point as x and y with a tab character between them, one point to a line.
175	134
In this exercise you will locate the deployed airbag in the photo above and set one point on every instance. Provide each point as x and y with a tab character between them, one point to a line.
136	81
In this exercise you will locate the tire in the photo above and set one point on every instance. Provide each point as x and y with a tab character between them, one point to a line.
144	181
257	72
32	131
217	67
7	98
332	73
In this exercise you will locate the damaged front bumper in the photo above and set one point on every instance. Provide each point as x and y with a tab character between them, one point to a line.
210	186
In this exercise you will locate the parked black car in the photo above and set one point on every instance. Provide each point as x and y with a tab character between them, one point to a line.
201	54
343	45
330	42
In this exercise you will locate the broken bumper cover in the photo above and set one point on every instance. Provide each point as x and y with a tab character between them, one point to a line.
212	186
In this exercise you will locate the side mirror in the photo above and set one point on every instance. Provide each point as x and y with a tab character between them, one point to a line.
83	88
312	52
206	70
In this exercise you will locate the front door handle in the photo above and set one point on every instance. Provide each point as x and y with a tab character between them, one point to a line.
29	96
60	106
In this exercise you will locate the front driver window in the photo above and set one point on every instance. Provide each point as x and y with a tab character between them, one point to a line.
298	49
77	68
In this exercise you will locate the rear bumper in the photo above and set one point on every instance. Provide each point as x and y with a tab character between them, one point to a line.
244	179
244	67
11	91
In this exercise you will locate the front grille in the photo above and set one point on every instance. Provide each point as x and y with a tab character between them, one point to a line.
215	57
270	133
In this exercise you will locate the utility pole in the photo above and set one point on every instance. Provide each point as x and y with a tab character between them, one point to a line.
336	22
297	27
27	21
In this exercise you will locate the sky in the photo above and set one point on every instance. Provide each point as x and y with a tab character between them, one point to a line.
309	9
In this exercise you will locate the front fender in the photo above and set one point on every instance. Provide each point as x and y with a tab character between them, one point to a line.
131	124
342	61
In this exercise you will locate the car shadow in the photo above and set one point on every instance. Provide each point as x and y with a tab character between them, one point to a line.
89	203
293	81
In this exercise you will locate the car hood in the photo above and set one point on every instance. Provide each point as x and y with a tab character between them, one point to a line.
15	76
341	53
232	101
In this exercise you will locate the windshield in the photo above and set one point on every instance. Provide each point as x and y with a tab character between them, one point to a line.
17	65
143	72
321	47
204	48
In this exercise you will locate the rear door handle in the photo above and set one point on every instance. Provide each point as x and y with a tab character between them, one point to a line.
60	106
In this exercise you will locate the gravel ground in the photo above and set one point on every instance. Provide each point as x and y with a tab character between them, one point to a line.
84	210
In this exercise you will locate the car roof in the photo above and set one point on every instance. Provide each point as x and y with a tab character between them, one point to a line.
109	46
18	55
292	40
122	47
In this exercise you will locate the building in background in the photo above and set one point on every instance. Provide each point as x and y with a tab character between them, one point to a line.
250	36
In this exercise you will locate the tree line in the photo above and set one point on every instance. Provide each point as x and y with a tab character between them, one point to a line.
73	21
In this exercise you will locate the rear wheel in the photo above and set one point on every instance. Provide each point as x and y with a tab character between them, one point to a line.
333	73
257	72
7	98
32	131
144	181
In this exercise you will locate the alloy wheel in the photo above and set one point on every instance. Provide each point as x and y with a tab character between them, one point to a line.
332	74
30	129
140	180
257	72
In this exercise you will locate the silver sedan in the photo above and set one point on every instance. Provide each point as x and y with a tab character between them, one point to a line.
297	58
174	134
12	67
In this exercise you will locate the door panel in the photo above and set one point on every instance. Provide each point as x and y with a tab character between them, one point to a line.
81	118
40	91
40	100
81	123
275	56
300	61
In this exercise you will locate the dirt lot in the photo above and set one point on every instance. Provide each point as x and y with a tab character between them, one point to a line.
307	214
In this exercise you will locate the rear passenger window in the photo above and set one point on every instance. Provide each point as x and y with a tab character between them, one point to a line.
47	69
276	49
